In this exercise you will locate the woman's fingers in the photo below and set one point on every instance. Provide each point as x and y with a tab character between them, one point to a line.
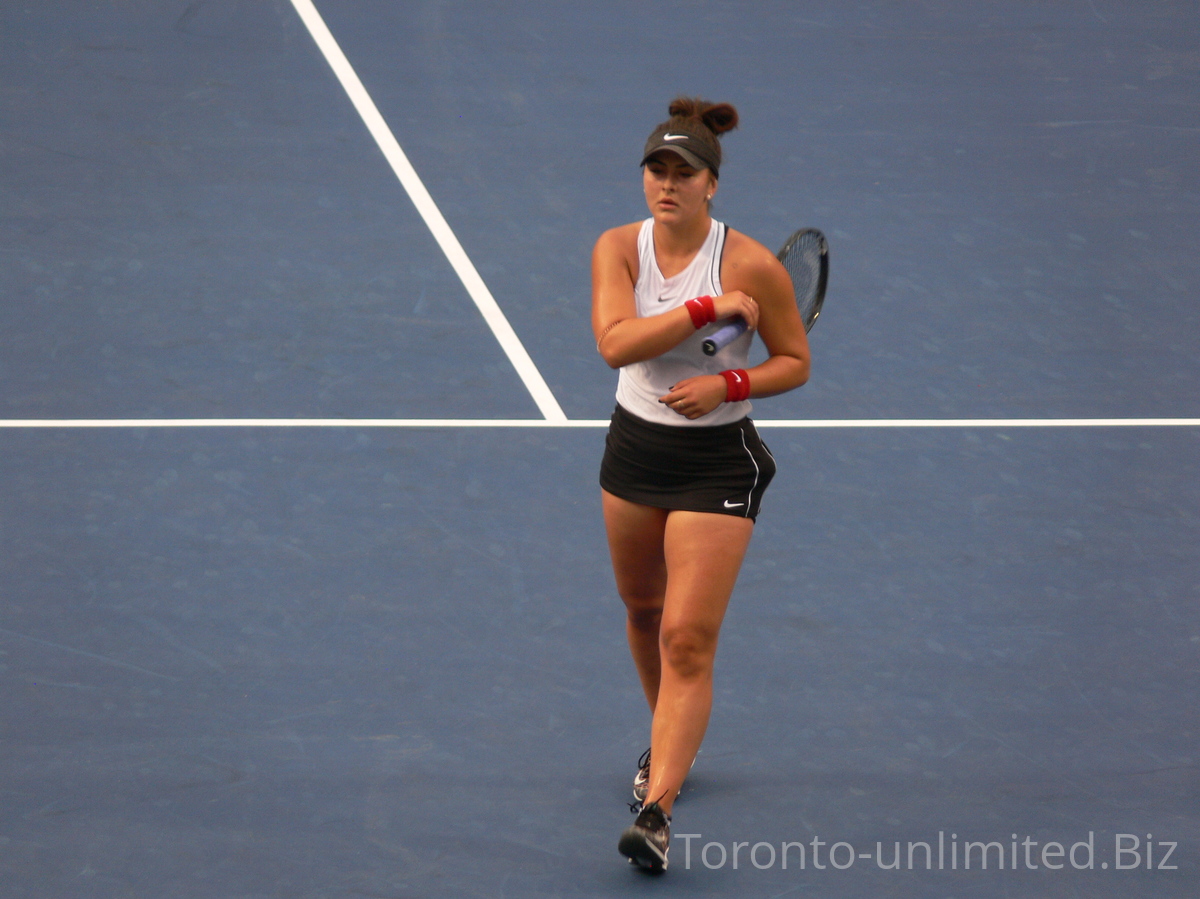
737	303
697	396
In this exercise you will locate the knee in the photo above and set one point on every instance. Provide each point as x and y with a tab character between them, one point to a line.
689	650
643	612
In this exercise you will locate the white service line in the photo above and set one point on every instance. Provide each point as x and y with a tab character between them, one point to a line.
848	423
982	423
429	211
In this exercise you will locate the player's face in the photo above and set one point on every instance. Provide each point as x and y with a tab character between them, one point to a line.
675	191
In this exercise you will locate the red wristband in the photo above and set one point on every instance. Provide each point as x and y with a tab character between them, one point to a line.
737	385
702	310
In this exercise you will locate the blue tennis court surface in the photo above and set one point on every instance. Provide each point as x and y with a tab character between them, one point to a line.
371	660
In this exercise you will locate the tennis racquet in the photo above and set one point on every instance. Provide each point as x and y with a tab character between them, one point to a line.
806	258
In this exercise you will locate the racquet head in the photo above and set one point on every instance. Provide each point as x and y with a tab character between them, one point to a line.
806	258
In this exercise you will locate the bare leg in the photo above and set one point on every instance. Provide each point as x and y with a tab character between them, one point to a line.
675	572
635	540
703	554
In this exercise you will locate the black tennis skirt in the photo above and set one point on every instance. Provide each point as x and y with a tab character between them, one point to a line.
723	469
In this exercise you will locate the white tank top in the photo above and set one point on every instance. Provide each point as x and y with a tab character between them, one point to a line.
640	384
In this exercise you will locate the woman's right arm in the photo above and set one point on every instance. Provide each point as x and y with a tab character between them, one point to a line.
621	337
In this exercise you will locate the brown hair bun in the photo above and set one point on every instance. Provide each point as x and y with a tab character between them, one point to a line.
717	117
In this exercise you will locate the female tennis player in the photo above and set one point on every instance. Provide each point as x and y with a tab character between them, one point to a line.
684	470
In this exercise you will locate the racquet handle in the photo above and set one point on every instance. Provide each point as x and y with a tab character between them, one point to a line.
722	337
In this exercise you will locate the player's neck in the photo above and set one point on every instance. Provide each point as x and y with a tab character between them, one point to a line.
680	240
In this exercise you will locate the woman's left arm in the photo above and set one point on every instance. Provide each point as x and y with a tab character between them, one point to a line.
755	270
781	329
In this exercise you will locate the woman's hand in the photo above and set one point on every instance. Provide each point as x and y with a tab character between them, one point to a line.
737	303
693	397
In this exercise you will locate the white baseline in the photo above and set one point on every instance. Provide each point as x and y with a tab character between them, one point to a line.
848	423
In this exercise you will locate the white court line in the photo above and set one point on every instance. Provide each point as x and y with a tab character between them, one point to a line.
985	423
851	424
429	211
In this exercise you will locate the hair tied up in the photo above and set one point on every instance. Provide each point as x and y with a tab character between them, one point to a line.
717	117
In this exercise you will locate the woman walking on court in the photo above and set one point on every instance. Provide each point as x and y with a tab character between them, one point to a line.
684	470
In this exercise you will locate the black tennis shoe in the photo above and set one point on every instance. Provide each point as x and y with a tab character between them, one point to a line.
641	782
647	841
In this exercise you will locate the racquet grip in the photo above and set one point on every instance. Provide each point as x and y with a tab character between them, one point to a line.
722	337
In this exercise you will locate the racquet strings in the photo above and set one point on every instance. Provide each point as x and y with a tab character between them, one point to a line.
806	259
